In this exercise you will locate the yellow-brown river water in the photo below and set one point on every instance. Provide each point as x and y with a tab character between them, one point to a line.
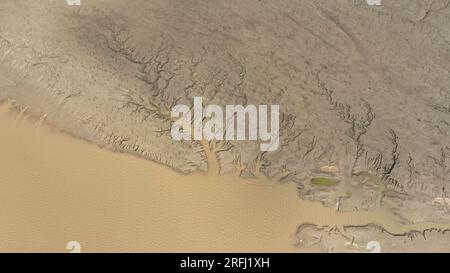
55	189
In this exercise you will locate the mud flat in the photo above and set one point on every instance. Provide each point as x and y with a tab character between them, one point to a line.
363	91
362	88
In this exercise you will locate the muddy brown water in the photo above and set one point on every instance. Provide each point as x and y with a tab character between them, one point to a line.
55	189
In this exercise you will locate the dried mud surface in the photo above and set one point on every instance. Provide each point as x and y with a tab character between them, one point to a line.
364	90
